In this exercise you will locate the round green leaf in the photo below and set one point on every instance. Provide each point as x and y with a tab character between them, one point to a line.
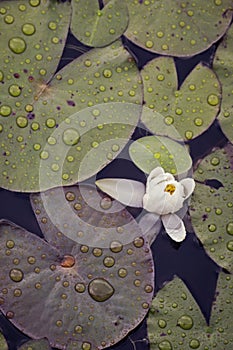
175	320
180	114
95	27
3	343
152	151
88	110
211	208
223	66
179	28
41	344
77	295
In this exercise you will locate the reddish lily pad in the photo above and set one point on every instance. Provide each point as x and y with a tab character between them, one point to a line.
87	297
223	66
176	320
95	27
211	206
183	113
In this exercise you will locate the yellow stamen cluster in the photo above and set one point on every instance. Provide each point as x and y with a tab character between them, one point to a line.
170	188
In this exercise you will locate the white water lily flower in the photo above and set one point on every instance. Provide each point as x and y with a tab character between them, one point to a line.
163	196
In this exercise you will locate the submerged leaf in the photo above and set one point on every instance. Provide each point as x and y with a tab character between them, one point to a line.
180	114
65	129
76	294
179	28
95	27
211	207
175	318
3	343
41	344
152	151
223	66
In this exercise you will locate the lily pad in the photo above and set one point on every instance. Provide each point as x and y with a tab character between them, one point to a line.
89	109
3	343
223	66
95	27
41	344
211	206
183	113
86	296
180	28
152	151
175	320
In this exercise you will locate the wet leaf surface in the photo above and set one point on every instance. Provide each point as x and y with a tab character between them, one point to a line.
212	208
182	28
38	124
152	151
95	27
176	320
41	344
182	113
77	295
3	343
222	65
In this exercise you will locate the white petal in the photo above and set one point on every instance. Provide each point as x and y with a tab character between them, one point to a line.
189	185
155	172
128	192
150	225
174	227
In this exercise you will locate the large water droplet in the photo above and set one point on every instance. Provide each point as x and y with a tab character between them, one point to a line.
162	323
22	122
116	246
17	45
230	228
68	261
16	275
194	344
185	322
230	246
100	289
109	261
80	287
71	137
14	90
213	100
165	345
28	29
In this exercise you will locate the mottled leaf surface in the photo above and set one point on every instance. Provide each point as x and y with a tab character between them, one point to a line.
211	206
223	66
77	295
41	344
179	28
152	151
182	113
175	320
95	27
44	143
3	343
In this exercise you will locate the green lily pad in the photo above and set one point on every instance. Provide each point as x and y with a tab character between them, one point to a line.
180	114
180	28
175	320
152	151
3	343
223	66
88	295
41	344
89	109
211	208
95	27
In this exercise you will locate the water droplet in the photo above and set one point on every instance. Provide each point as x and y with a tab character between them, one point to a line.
59	323
137	283
148	288
97	252
96	112
160	34
86	346
16	275
230	246
17	292
189	134
165	345
213	100
17	45
34	3
9	19
169	120
10	244
50	122
218	211
28	29
44	155
122	272
230	228
78	329
109	261
1	76
55	167
138	242
106	203
215	161
107	73
160	77
80	287
162	323
52	25
194	344
51	140
95	144
149	44
198	122
185	322
115	148
70	196
68	261
212	227
10	314
116	246
84	248
100	289
5	110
